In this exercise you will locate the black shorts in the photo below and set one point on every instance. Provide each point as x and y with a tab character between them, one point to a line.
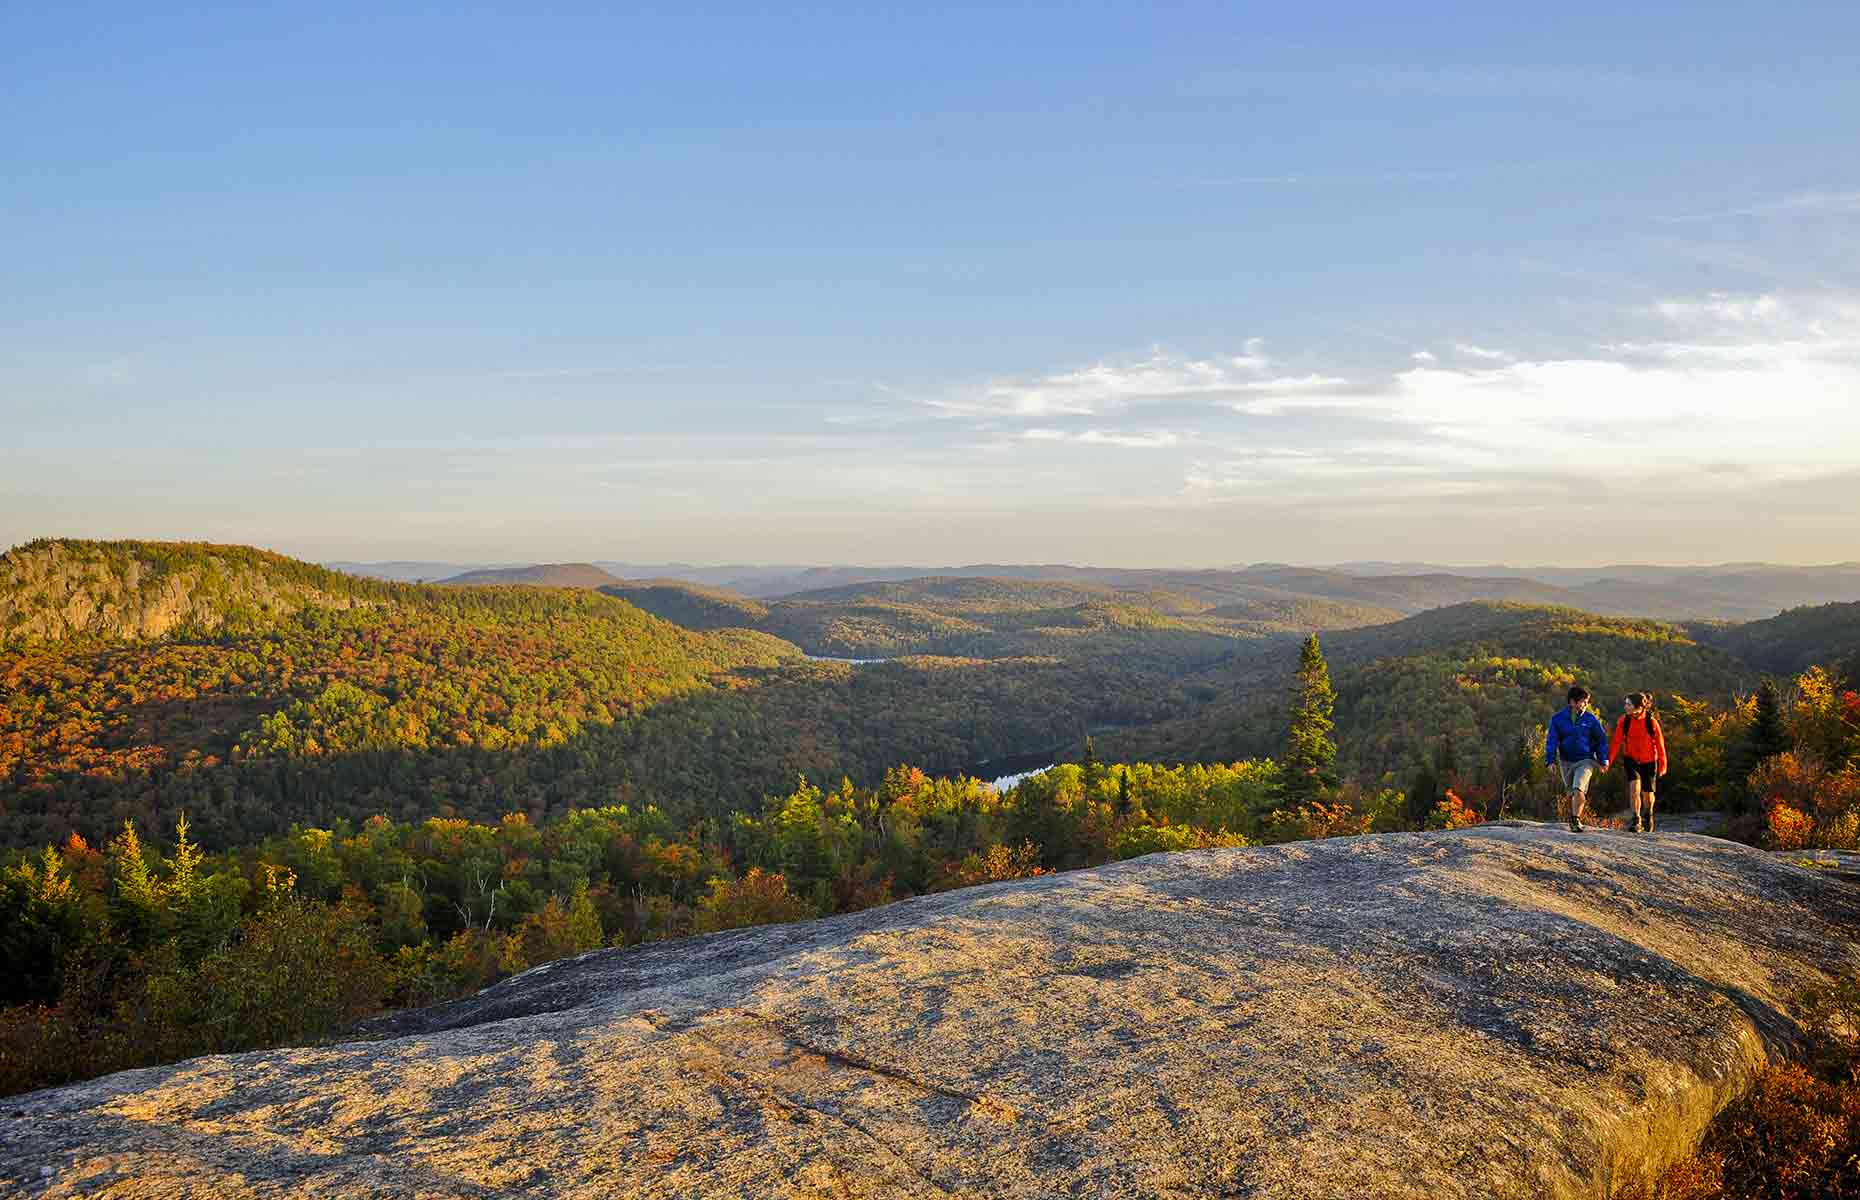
1643	771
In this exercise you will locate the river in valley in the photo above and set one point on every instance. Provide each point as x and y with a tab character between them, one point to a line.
1010	769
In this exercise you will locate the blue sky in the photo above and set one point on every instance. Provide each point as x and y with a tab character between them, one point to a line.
1145	285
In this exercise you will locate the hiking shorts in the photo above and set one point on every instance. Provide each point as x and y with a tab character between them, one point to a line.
1576	775
1643	771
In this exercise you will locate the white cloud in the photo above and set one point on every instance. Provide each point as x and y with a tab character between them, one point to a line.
1765	383
1269	397
1136	440
1293	384
1720	307
1107	386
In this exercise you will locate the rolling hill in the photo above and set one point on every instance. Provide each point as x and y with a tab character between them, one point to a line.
564	575
690	604
1478	677
55	589
1791	641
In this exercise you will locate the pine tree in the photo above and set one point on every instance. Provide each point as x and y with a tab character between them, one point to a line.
1310	754
1768	736
136	905
1094	770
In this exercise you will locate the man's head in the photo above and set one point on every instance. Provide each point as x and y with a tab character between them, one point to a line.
1579	697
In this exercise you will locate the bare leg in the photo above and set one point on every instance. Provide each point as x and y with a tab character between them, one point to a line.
1648	800
1633	790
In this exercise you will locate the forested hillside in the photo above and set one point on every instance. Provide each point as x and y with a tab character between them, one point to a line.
690	604
1469	685
55	589
253	691
984	617
417	701
1792	641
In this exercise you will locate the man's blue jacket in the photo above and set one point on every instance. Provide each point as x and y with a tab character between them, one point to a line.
1574	740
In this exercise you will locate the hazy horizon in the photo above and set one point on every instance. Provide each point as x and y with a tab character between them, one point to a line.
1107	285
464	563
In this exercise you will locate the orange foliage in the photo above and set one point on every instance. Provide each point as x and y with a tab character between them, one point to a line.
1314	821
1453	813
1789	828
994	865
758	898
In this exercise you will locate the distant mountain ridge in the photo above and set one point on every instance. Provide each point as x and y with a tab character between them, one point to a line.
1723	592
569	575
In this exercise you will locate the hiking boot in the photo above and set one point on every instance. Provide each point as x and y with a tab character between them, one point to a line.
1649	828
1575	823
1637	826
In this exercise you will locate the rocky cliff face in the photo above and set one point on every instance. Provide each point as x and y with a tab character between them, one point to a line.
1501	1012
59	589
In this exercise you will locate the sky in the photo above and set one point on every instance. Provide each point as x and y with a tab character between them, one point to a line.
1142	285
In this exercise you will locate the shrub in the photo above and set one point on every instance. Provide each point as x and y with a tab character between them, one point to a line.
1153	839
1314	821
1796	1134
758	898
1789	828
1453	813
994	865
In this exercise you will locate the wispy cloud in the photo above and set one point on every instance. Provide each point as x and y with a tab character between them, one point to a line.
599	370
1107	386
1765	384
1799	203
1720	307
1154	439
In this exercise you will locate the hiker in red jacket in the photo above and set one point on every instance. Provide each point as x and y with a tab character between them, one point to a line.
1640	747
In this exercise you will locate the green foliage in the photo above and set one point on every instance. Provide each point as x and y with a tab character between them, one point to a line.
1311	755
1792	641
755	899
140	956
691	605
1480	677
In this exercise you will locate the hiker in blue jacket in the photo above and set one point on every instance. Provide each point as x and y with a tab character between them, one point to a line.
1579	744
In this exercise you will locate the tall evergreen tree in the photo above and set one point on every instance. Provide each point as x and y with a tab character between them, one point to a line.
1768	736
1310	753
1094	770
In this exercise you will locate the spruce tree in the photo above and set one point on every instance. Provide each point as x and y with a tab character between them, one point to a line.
1768	736
1310	754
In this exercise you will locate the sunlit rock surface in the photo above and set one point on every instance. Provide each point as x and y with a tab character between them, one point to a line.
1509	1011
